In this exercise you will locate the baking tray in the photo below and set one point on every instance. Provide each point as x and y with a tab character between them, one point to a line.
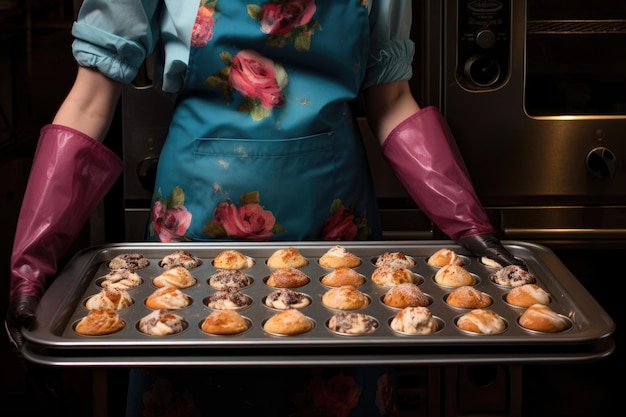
53	341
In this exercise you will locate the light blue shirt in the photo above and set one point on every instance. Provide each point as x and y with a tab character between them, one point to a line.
116	36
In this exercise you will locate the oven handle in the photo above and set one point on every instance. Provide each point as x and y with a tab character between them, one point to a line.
561	233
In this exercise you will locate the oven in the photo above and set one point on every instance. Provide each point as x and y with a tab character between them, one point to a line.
535	95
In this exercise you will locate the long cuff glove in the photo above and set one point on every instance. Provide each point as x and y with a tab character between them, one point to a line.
424	156
70	175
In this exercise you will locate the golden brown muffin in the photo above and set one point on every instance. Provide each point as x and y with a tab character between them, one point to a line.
284	298
397	259
287	278
229	278
224	322
232	259
541	318
414	320
345	298
468	297
527	295
405	295
228	299
121	279
347	322
177	276
338	256
443	257
100	322
287	257
454	276
389	276
343	275
131	261
288	322
170	298
481	321
162	323
109	298
180	258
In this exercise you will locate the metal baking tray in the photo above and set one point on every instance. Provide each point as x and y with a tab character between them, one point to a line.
53	340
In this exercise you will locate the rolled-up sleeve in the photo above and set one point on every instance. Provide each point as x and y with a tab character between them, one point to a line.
115	36
391	47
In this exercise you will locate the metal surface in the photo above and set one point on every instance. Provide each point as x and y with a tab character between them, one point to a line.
54	342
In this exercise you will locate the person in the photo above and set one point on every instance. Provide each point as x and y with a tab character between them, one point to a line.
263	144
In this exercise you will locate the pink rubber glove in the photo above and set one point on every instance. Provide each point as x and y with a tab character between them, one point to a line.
70	175
425	158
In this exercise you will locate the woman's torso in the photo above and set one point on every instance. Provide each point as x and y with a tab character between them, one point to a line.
263	144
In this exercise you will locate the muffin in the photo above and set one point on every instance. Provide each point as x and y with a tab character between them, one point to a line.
405	295
481	321
338	256
527	295
512	276
100	322
229	278
177	276
468	297
343	275
389	276
170	298
109	299
345	298
541	318
228	299
121	279
395	259
232	259
454	276
443	257
351	323
224	322
287	278
131	261
161	323
287	257
284	298
181	258
288	322
414	320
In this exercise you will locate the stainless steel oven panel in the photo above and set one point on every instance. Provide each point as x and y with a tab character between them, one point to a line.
53	336
514	158
145	122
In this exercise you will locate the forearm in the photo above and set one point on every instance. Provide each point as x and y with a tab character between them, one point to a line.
90	105
387	105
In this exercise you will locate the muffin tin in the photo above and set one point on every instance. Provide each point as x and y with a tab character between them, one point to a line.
53	340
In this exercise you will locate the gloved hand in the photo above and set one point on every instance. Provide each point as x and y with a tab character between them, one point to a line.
489	246
71	173
424	156
20	314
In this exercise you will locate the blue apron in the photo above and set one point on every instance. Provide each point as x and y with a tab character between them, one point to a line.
263	144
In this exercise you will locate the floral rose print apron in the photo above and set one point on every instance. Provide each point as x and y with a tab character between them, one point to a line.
263	145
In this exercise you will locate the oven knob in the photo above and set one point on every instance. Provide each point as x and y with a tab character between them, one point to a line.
482	70
602	163
146	172
485	38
